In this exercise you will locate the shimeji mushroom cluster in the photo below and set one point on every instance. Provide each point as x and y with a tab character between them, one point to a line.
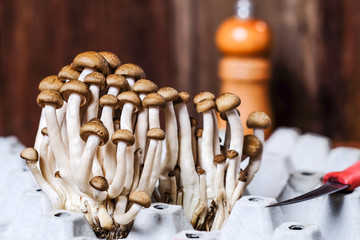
110	161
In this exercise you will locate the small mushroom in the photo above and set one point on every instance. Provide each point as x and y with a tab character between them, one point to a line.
96	82
87	62
31	156
252	148
112	60
240	186
131	72
258	121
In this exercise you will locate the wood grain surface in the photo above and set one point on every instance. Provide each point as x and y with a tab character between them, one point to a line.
316	72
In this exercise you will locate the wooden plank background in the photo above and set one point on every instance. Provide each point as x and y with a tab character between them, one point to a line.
316	72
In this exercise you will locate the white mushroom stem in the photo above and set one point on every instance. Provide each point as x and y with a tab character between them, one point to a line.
85	72
45	164
126	117
189	178
93	105
141	129
154	118
148	166
173	190
219	217
253	167
99	196
219	180
125	218
84	168
230	177
131	81
203	198
240	186
227	140
64	135
109	149
117	185
207	154
180	196
216	138
237	134
76	144
55	200
96	167
155	173
88	214
39	136
260	134
129	169
194	145
105	219
137	160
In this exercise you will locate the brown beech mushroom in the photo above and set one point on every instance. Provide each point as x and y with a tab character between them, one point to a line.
94	133
240	186
258	121
31	156
130	103
113	60
230	178
188	175
253	148
141	200
96	82
131	72
88	62
171	132
68	73
154	102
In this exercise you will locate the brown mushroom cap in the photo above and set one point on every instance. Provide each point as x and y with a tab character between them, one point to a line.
57	174
95	78
129	97
91	59
203	95
144	86
77	87
232	154
44	131
99	183
69	72
112	59
94	127
155	133
258	120
118	81
123	135
199	132
109	100
200	171
49	97
141	198
219	158
130	70
184	97
154	100
243	176
29	154
227	101
205	105
51	82
169	93
252	146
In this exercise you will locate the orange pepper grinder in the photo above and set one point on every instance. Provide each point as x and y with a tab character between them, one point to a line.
244	68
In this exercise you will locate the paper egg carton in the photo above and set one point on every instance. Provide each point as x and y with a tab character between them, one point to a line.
292	164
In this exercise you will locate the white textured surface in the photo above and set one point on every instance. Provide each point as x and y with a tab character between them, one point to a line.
297	231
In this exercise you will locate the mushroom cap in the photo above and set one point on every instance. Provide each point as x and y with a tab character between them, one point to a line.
29	154
227	101
111	58
94	127
219	158
69	72
130	70
200	171
155	133
57	174
169	93
243	176
252	146
203	95
199	132
184	97
99	183
78	87
109	100
51	82
141	198
258	120
154	100
115	80
205	105
193	122
44	131
129	97
95	78
232	154
144	86
91	59
49	97
123	135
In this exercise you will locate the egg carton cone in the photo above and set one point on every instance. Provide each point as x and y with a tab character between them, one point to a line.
293	164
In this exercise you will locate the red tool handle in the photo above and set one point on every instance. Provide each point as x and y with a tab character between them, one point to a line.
350	176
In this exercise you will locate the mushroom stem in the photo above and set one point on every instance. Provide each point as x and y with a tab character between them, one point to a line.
203	199
118	183
137	163
155	173
237	134
93	106
148	166
39	136
240	186
141	129
126	117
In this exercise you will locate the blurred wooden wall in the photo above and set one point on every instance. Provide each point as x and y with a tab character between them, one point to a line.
316	76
